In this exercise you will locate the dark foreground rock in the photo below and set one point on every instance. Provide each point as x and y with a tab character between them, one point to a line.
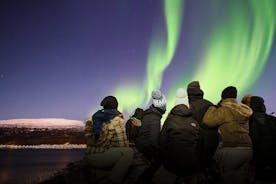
80	172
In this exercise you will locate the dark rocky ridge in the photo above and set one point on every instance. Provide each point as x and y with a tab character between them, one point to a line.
37	136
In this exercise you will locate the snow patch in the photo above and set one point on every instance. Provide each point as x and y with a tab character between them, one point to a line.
50	123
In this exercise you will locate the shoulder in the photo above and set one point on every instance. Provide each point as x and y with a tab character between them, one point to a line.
115	122
241	109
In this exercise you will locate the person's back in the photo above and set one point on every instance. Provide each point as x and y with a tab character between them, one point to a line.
235	149
198	104
178	141
263	135
209	135
108	146
147	139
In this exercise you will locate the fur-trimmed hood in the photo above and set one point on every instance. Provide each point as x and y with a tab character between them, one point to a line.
232	119
242	109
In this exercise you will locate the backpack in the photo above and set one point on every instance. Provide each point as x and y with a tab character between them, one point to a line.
263	135
133	126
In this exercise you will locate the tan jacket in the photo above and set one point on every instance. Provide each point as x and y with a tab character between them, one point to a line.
112	135
232	119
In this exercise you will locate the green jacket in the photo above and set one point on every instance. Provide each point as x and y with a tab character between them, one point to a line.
233	122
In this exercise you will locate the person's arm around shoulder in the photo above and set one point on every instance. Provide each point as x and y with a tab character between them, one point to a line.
214	116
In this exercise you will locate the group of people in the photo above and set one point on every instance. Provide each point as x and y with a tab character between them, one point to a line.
199	142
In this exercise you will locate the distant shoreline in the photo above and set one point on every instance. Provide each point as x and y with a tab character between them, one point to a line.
44	146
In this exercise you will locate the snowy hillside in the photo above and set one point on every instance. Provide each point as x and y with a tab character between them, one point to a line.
36	132
50	123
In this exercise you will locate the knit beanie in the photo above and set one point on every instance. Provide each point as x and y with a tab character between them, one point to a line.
229	92
193	89
109	102
158	99
181	97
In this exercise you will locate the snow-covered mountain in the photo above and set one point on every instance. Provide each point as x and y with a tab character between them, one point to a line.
49	123
35	132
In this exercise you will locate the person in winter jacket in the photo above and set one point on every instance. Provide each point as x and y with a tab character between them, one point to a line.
209	135
263	134
134	124
107	141
147	139
234	152
179	140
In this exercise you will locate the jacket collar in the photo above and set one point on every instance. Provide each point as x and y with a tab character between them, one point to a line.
232	103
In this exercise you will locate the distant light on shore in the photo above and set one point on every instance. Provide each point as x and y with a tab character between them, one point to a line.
44	146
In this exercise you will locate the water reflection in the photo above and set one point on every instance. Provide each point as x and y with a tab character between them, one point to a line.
30	166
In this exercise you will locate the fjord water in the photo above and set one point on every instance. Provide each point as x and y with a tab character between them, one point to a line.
34	165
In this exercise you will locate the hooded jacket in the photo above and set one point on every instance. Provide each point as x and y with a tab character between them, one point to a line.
262	132
180	127
209	135
147	139
232	119
101	117
112	135
179	140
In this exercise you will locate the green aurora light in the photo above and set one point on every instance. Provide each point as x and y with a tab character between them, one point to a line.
236	51
159	57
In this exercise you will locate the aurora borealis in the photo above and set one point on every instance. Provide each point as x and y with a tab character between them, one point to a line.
235	53
59	59
238	48
160	55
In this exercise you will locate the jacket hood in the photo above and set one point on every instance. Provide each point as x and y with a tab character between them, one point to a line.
257	104
193	89
241	109
154	110
181	110
101	117
104	115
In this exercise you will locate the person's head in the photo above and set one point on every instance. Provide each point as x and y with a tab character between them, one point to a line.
229	92
257	104
139	113
193	89
246	99
181	97
158	99
109	102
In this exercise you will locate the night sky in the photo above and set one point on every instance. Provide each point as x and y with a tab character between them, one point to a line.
59	58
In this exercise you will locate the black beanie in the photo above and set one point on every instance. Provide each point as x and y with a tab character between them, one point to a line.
193	89
229	92
109	102
257	104
139	113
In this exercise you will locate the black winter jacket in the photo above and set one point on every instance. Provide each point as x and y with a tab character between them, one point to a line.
147	139
179	139
262	130
209	136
